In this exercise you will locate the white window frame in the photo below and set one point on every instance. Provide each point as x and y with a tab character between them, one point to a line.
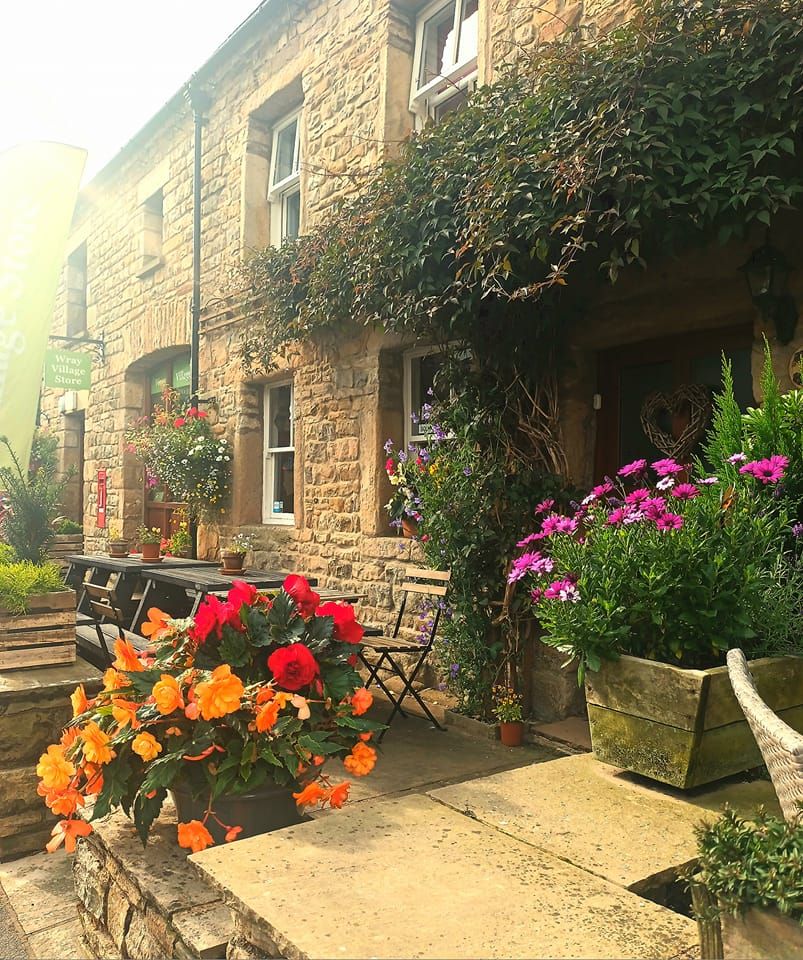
269	453
411	431
424	99
278	193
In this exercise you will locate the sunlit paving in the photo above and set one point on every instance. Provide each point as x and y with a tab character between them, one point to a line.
401	480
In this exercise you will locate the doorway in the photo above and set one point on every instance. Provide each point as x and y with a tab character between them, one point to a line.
629	375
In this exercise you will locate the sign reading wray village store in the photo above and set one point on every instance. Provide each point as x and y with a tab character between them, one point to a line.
67	370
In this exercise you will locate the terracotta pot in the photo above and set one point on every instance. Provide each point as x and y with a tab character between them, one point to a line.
232	561
409	528
269	807
150	551
511	733
118	548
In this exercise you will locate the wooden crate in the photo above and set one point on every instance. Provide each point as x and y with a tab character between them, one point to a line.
43	636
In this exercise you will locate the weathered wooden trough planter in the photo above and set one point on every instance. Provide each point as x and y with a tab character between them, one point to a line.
684	727
43	636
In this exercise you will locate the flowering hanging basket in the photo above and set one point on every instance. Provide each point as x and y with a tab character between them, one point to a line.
182	453
253	694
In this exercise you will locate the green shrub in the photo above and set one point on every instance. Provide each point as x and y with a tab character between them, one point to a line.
7	554
19	581
748	864
66	526
33	497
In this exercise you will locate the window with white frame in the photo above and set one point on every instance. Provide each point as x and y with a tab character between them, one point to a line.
445	63
284	193
278	498
420	368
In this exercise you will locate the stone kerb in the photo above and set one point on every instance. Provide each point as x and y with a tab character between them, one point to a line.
146	902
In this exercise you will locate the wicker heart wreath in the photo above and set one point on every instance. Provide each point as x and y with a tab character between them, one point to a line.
696	398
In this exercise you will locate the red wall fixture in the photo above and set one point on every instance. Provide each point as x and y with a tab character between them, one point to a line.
101	522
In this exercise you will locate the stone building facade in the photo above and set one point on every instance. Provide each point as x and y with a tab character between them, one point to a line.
306	97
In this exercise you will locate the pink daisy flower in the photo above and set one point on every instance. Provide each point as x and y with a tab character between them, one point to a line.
770	470
686	491
636	496
669	521
637	466
667	467
544	506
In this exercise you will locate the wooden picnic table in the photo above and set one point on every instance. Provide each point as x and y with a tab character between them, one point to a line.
128	571
179	592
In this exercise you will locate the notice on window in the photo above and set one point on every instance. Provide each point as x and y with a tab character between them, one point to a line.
67	370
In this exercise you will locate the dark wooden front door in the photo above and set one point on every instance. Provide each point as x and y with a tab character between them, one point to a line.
628	375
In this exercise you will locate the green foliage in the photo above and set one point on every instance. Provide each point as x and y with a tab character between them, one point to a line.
775	427
66	526
7	554
33	498
757	864
19	581
679	126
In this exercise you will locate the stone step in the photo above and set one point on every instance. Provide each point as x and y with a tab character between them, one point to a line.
615	825
416	878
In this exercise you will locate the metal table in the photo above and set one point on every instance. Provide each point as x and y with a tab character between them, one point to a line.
128	571
179	592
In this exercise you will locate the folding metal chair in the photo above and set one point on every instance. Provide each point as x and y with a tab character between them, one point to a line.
106	621
417	583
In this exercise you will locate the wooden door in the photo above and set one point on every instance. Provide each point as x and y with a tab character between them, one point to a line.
628	375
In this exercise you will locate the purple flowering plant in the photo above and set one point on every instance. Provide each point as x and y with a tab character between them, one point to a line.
661	564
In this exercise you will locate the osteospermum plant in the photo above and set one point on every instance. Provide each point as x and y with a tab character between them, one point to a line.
250	691
662	564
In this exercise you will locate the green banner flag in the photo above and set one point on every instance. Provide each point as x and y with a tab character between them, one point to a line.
38	189
67	370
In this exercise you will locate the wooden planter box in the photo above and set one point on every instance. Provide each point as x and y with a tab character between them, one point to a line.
684	727
761	935
65	544
43	636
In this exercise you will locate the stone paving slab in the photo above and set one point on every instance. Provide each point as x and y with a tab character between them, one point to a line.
40	889
413	878
599	818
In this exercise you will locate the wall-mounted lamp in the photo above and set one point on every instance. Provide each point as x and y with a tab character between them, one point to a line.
767	274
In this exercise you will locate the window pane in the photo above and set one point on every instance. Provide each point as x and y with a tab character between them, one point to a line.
450	106
283	479
469	31
437	45
285	145
280	432
422	378
291	202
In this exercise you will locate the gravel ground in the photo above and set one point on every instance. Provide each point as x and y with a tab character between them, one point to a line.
12	939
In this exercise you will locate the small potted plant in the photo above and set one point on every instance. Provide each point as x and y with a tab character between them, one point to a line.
507	709
179	543
118	545
404	470
748	881
150	540
233	556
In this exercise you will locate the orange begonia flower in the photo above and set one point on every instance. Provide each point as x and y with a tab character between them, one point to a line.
173	731
112	680
221	694
366	736
79	700
67	832
339	794
145	745
127	657
156	626
264	694
194	836
361	760
267	715
63	803
167	695
361	701
94	779
69	736
232	833
312	793
125	712
55	769
96	744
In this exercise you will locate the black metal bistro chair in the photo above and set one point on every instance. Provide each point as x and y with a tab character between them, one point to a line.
383	655
97	632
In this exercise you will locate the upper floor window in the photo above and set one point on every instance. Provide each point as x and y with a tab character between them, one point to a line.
420	367
77	289
284	193
151	233
445	64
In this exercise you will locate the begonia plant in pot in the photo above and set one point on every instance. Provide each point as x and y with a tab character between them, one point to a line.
241	712
647	585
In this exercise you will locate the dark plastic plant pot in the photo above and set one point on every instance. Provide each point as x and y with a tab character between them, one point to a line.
232	561
270	807
118	548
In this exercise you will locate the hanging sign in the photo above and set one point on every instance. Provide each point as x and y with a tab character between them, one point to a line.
67	370
101	520
38	189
